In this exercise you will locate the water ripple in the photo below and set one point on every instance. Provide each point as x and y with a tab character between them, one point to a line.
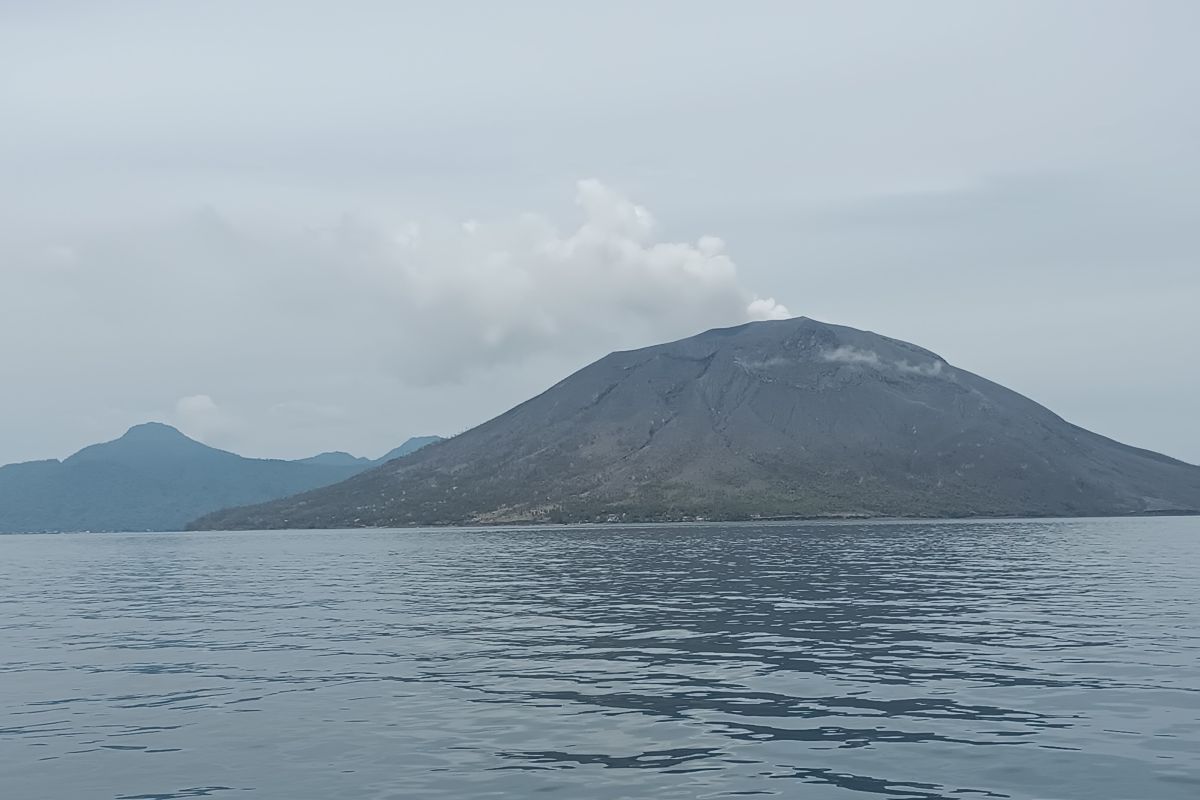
919	661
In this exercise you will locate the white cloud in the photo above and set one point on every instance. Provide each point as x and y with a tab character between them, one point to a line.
846	354
766	308
200	417
431	300
489	293
929	370
281	322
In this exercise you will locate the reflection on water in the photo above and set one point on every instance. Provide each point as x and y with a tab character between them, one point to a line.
1017	659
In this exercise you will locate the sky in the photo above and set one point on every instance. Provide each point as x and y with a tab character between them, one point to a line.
290	227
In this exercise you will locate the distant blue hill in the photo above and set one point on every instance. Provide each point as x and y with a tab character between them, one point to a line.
336	458
340	458
155	478
411	446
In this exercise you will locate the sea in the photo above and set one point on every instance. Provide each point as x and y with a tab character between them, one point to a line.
849	660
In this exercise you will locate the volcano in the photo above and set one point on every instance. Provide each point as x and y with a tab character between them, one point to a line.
788	418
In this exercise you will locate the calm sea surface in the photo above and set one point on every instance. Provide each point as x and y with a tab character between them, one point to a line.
1023	659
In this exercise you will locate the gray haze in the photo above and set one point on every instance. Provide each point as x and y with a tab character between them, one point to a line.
300	227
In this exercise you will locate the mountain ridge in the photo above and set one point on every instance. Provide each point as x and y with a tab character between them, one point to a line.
152	477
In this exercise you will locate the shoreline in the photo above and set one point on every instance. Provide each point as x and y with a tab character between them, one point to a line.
663	523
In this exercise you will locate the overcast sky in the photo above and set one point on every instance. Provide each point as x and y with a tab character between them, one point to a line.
292	227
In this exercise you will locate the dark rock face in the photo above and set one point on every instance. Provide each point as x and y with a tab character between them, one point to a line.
787	418
152	478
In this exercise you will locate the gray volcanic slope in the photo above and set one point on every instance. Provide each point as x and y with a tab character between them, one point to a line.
793	417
